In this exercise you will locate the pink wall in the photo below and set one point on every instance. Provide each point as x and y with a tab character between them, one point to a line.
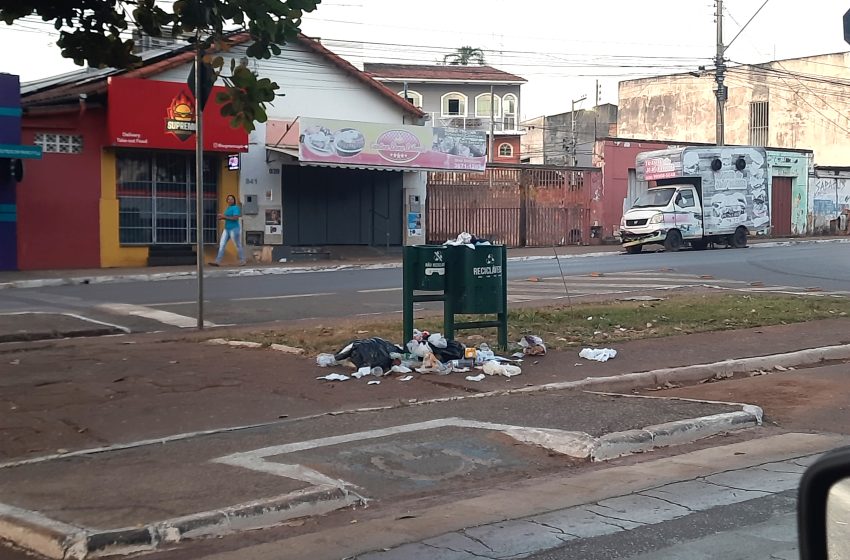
616	157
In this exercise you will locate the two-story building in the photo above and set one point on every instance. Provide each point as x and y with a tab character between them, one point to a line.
457	96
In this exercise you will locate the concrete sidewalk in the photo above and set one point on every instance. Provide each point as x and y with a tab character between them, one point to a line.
43	278
152	417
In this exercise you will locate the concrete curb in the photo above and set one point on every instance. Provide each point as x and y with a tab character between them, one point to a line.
60	541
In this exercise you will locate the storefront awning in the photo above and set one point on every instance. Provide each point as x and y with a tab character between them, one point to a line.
293	152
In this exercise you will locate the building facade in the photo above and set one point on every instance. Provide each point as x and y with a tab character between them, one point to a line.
794	103
568	138
116	184
458	96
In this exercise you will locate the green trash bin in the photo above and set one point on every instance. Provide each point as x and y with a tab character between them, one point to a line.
476	278
427	267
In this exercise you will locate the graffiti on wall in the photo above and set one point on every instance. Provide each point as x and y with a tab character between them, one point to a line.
829	197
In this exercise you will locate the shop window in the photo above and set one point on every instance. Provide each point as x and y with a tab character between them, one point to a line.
156	198
506	150
52	143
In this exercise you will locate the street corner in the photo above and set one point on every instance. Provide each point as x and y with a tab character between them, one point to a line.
32	326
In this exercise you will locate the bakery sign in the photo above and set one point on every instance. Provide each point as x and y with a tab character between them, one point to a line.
391	145
154	114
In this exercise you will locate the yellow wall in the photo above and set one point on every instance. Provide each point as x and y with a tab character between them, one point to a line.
228	183
112	254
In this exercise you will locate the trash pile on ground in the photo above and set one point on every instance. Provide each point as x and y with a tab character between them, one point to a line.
426	353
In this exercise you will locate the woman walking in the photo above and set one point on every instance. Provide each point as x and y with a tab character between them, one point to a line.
231	230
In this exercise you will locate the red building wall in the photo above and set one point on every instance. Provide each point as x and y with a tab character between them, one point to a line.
59	198
513	141
616	157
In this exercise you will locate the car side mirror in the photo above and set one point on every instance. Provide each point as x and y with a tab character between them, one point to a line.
823	507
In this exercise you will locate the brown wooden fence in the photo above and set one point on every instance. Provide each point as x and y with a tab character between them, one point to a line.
518	205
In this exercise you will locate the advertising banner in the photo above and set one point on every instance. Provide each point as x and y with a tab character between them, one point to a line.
390	145
154	114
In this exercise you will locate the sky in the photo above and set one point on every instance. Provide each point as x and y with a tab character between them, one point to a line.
562	47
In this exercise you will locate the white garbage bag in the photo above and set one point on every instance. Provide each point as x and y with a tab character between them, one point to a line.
598	354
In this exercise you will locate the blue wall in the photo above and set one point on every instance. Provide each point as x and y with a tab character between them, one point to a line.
10	133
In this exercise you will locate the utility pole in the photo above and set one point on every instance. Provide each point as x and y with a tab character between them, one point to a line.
573	131
492	125
719	77
199	179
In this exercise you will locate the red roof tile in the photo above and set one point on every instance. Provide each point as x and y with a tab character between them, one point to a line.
440	72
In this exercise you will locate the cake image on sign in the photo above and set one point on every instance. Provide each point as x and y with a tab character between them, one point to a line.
181	117
318	139
398	146
349	142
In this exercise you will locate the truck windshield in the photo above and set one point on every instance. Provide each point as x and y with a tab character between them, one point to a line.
655	197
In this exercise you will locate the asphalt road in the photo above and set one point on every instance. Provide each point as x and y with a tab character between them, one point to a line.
144	306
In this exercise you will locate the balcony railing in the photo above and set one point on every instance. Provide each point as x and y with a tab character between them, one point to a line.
505	123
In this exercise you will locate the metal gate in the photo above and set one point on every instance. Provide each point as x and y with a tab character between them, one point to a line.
517	205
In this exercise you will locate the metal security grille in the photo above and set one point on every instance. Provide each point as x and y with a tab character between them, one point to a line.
759	121
156	198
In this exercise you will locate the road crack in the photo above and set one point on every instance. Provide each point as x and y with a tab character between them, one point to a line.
476	539
671	502
450	549
561	531
614	518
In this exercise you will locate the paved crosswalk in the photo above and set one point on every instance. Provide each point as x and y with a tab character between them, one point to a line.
554	288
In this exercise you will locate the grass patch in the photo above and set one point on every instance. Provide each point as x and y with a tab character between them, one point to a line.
594	323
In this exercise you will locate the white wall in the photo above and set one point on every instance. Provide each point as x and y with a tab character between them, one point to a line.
311	86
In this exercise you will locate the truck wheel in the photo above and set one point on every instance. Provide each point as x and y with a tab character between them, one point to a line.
673	241
699	244
634	249
739	238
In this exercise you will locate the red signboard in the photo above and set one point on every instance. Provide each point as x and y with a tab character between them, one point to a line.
154	114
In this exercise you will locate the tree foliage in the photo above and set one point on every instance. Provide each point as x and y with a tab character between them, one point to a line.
463	56
95	32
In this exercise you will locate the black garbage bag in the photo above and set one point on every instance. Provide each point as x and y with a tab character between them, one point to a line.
372	352
453	351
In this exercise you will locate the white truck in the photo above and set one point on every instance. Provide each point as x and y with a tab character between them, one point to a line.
698	196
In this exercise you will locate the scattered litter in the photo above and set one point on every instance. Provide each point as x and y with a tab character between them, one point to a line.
281	260
173	362
325	360
578	364
479	377
377	371
362	332
401	369
641	298
406	378
590	318
334	377
780	368
430	364
437	340
362	372
598	354
517	355
372	352
462	366
532	345
484	353
495	368
14	362
374	382
453	350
